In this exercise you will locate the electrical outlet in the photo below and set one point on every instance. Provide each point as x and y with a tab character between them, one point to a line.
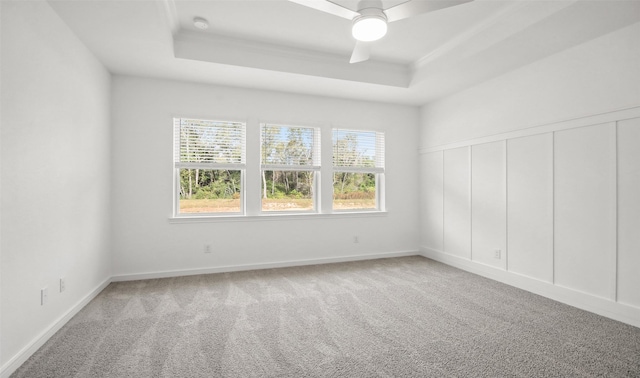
497	254
207	248
63	284
44	296
356	239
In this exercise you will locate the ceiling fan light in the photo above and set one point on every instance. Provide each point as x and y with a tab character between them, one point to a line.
367	29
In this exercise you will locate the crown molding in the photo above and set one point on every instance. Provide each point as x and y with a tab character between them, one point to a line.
216	48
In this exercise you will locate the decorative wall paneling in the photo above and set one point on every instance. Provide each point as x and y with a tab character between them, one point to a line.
457	202
432	202
628	262
561	202
488	209
530	206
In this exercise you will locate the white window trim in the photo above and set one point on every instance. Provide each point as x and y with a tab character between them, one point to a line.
378	170
284	167
316	169
278	217
177	165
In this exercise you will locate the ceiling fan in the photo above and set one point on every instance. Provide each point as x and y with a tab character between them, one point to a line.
370	21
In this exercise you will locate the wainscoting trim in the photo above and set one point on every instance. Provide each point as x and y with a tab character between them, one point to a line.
589	120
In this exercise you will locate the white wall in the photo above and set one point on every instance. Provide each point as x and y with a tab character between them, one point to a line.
530	206
457	202
585	209
556	142
598	76
432	205
146	242
54	174
0	193
488	205
628	212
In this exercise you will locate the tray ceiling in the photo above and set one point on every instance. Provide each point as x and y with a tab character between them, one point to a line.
280	45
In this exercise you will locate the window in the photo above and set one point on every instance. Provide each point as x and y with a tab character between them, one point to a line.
209	166
358	169
283	172
290	165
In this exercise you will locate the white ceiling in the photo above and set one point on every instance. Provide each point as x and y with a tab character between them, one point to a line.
280	45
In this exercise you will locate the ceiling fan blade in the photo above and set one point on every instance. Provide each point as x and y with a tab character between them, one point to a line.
360	52
328	7
415	7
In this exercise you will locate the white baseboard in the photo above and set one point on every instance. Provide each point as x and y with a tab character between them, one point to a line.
585	301
239	268
23	355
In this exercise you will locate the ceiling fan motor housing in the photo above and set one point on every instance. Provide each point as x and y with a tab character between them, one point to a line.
370	25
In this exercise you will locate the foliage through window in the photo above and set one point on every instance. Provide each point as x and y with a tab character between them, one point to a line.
290	162
209	160
358	169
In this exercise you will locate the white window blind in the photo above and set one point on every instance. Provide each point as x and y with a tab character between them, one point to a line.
290	147
358	151
209	144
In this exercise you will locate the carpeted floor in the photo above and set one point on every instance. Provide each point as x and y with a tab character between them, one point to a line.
400	317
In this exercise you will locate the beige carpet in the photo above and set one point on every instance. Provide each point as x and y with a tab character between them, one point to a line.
400	317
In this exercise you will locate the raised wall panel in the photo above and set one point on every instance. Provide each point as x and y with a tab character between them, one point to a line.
488	204
457	209
585	209
530	206
432	200
629	212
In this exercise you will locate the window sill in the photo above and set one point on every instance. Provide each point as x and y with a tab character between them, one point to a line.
276	217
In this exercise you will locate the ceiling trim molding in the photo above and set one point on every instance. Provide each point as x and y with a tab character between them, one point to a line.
221	49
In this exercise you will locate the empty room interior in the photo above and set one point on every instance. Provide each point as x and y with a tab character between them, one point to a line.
310	188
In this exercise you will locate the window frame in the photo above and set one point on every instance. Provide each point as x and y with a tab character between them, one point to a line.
178	165
251	168
378	170
315	167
